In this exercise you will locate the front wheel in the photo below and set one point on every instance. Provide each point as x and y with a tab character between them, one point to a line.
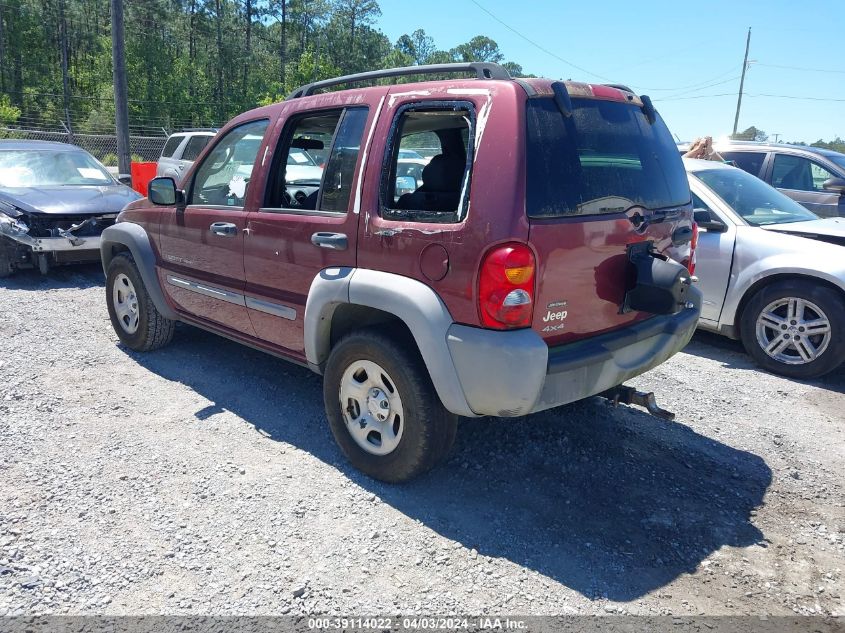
138	323
795	328
383	410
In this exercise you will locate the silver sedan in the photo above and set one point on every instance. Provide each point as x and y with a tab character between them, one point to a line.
772	273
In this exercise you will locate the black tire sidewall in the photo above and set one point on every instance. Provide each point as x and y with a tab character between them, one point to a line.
830	303
429	429
123	264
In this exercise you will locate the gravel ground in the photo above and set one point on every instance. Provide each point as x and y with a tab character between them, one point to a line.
203	479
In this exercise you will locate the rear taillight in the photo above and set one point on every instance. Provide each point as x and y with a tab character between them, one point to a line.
690	263
506	287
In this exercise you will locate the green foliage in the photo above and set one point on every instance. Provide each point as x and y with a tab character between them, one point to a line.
192	62
8	113
750	134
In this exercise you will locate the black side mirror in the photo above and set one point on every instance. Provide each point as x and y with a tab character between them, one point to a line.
125	179
162	191
705	220
836	185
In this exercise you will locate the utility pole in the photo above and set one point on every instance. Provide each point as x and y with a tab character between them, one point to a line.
776	135
65	78
121	108
742	80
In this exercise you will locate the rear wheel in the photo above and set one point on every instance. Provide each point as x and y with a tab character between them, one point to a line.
383	410
134	317
795	328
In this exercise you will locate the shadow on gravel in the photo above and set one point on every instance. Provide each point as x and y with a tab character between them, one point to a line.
732	354
75	276
610	502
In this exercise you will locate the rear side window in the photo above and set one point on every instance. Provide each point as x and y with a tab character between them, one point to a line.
746	161
427	164
170	146
605	158
194	146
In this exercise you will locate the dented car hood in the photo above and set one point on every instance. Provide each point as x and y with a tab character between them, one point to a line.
69	200
826	229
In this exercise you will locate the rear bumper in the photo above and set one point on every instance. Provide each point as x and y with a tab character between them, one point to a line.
511	374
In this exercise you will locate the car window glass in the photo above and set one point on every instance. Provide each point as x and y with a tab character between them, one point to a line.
224	174
751	198
792	172
604	158
194	146
430	156
340	170
819	175
45	168
747	161
297	171
698	203
170	146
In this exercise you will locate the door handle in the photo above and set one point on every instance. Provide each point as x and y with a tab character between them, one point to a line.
334	241
224	229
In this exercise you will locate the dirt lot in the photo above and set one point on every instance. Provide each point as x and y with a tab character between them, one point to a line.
203	479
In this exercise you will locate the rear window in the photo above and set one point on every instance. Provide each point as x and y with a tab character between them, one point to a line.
605	158
170	146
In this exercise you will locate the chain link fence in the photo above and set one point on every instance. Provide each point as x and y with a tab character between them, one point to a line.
102	146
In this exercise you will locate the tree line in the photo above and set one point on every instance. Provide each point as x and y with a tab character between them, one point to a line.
192	62
753	133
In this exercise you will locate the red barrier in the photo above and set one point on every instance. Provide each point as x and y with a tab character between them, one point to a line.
142	174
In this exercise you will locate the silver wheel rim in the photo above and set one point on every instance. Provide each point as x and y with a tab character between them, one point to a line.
372	408
793	331
125	302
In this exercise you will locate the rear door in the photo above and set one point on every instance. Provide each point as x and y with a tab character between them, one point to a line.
307	221
597	181
202	245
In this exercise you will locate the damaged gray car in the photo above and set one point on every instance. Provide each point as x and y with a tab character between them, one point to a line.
55	201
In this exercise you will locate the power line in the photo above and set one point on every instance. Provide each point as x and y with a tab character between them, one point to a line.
758	95
536	45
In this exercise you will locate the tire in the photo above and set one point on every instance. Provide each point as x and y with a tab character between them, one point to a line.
134	317
803	355
420	432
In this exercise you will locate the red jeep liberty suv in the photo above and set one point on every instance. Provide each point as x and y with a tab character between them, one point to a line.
466	247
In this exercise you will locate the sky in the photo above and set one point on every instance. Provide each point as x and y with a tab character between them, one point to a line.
686	55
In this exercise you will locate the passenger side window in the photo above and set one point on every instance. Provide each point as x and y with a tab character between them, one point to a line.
819	175
794	172
429	159
194	146
315	163
746	161
224	175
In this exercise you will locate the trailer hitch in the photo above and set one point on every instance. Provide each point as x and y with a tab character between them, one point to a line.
629	395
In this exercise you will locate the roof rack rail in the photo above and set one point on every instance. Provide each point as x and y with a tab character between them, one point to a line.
620	87
199	129
482	70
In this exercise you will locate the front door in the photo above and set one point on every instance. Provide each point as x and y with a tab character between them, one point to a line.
202	245
307	221
803	180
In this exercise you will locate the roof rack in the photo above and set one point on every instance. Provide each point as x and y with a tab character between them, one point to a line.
199	129
482	70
